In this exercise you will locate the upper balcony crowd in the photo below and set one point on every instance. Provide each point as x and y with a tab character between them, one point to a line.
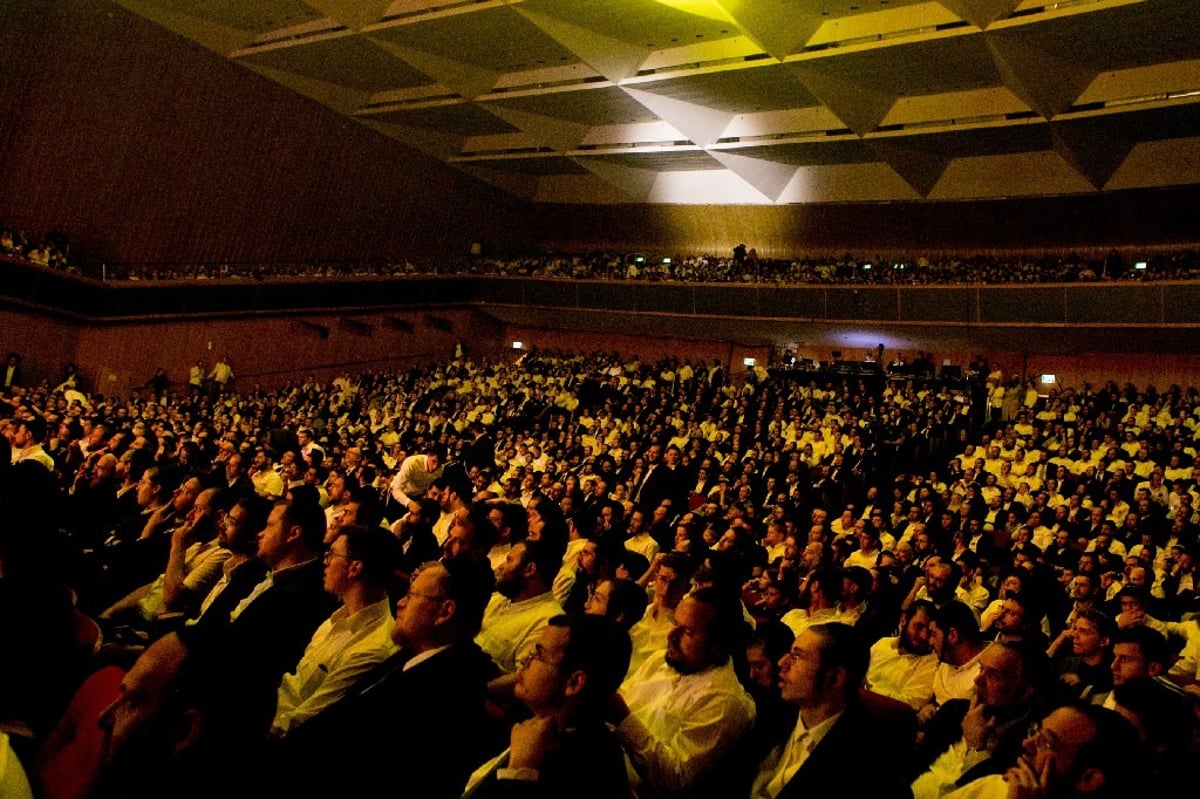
703	586
742	266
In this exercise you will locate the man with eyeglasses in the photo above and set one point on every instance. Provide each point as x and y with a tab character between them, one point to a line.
1075	752
565	748
422	711
357	637
237	533
967	739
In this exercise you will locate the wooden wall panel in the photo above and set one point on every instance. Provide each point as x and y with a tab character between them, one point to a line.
114	358
46	345
1097	368
264	350
144	146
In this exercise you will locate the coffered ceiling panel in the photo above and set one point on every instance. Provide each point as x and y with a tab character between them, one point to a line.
732	101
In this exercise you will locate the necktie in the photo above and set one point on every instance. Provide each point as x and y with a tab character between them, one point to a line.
793	758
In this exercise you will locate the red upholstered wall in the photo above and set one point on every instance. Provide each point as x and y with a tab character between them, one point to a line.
142	145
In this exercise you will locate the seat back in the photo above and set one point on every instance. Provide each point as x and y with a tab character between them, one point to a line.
68	761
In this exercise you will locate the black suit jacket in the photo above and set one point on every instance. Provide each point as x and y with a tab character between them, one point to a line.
945	729
269	636
242	487
837	766
585	763
481	453
664	483
241	582
429	723
93	511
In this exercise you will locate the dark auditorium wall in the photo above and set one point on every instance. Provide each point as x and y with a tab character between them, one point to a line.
272	350
46	344
115	358
143	146
1088	223
267	350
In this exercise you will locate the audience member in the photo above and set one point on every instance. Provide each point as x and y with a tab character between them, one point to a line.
358	570
683	709
565	748
575	437
822	674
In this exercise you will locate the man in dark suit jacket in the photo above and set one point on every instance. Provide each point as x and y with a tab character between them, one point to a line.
822	674
968	739
665	481
565	749
423	709
11	374
269	628
480	452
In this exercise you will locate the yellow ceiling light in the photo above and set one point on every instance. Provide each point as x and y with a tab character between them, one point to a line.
708	9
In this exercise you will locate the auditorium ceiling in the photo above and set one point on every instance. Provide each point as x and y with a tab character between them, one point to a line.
745	101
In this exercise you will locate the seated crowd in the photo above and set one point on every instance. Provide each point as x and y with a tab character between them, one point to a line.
739	267
802	270
51	252
583	575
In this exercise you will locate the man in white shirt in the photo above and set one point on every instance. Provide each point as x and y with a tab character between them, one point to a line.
196	379
194	564
639	539
416	475
358	570
337	506
221	374
310	451
27	443
684	709
564	748
522	605
267	482
819	599
670	582
955	637
903	667
1075	752
973	593
967	739
453	493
